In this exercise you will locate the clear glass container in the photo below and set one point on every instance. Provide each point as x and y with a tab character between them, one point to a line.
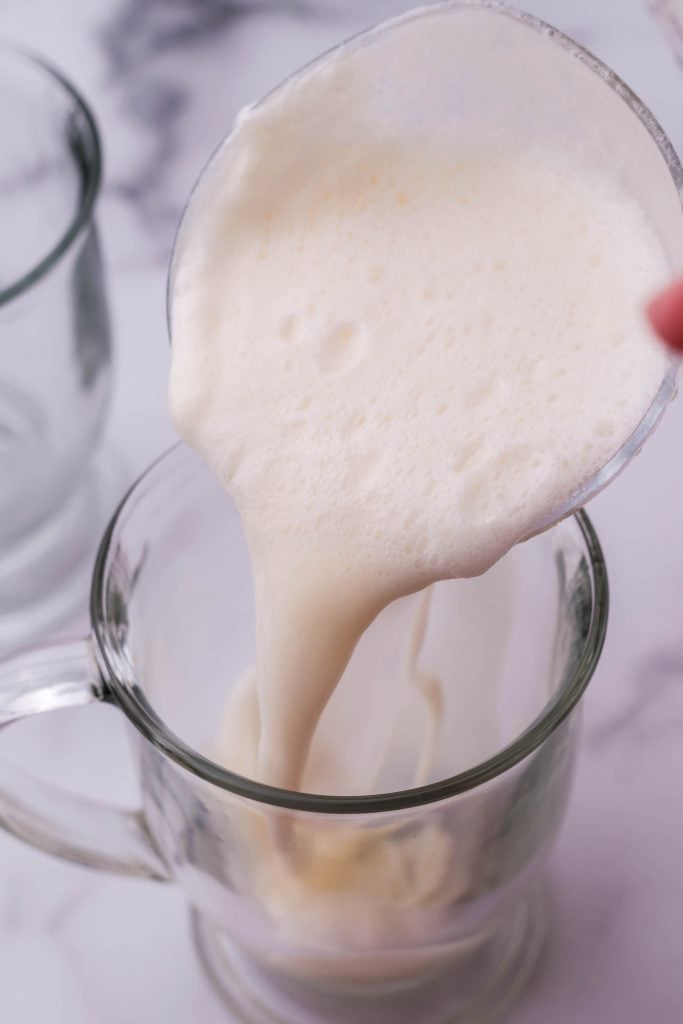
403	904
504	78
55	358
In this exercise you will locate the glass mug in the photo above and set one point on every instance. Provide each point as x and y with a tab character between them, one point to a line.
401	904
55	363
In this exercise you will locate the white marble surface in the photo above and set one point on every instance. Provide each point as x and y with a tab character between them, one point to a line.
165	78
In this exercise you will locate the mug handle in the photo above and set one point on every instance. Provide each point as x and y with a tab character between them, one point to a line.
48	678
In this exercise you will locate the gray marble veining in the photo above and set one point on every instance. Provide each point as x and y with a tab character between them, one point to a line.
150	49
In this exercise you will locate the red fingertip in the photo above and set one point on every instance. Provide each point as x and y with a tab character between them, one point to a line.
665	313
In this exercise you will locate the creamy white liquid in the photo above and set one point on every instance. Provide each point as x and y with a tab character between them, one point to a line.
403	347
401	354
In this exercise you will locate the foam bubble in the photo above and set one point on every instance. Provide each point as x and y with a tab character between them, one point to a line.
340	347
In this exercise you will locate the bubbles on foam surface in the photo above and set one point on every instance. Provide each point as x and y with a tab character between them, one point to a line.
340	347
425	346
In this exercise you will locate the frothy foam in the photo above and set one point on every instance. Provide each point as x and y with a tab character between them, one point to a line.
402	351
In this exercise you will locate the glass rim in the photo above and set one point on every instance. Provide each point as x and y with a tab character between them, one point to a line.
92	173
668	385
141	714
603	71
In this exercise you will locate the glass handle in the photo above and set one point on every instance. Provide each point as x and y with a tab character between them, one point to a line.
49	678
